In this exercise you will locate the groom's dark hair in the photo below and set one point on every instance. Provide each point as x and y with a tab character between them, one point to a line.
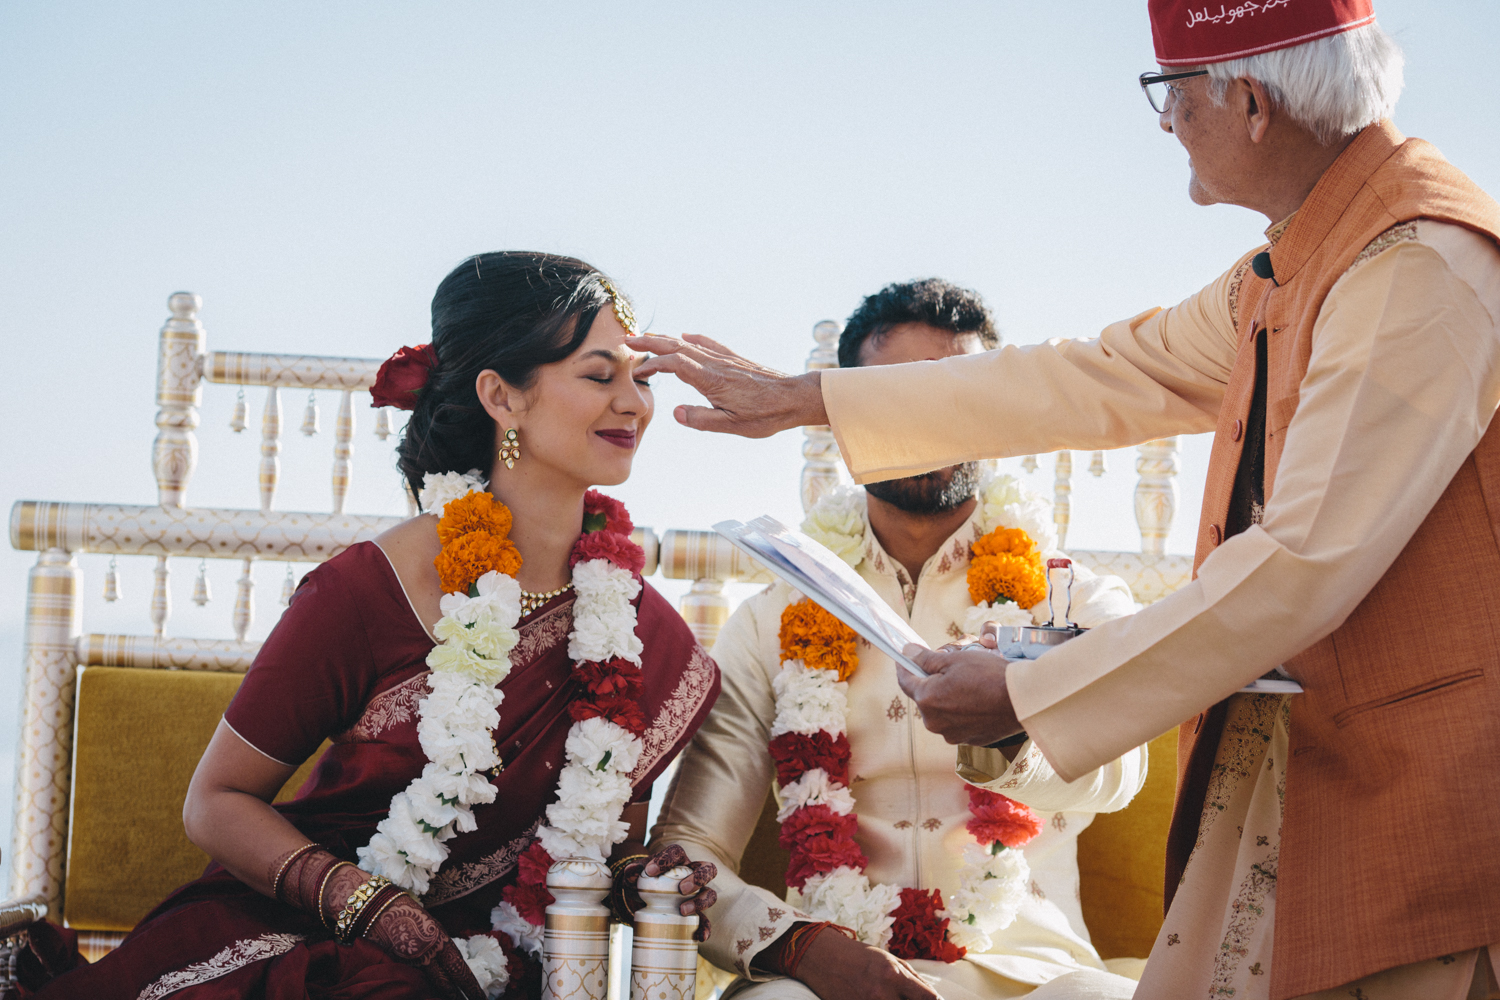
933	301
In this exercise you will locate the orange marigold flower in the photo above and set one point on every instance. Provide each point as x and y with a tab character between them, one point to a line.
470	556
478	511
818	639
1015	578
1005	541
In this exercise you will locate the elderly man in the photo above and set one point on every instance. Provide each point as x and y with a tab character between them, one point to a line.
1347	838
908	814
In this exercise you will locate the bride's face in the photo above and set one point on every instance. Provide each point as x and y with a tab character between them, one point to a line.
582	419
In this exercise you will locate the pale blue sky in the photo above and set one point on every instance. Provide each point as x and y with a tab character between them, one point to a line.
744	171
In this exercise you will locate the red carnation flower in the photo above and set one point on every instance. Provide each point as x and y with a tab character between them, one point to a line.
530	901
615	678
402	377
623	712
616	517
997	818
816	821
796	754
533	864
614	546
918	931
817	855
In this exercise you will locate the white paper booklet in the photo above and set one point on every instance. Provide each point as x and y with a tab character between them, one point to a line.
828	580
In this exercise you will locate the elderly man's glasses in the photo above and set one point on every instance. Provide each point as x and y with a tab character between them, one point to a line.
1159	90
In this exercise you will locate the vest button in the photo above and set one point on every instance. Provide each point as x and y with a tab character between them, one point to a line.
1239	429
1213	533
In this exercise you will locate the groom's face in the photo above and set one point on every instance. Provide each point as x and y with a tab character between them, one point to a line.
941	490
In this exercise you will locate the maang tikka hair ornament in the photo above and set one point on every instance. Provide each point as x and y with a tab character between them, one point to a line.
510	447
623	312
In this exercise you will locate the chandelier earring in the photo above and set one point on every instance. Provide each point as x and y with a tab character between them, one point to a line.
510	447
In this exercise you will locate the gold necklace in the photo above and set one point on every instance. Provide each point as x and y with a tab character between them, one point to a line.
530	602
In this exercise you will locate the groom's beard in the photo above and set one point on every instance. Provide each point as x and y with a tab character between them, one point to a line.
935	492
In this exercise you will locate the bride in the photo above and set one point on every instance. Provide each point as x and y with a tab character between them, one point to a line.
498	686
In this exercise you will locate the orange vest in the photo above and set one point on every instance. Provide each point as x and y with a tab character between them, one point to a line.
1390	838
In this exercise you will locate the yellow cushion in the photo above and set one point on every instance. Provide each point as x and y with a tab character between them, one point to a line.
1122	860
139	736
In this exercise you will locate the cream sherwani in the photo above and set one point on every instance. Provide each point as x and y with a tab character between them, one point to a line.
911	806
1411	328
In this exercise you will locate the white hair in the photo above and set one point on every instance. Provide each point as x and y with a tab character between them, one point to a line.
1332	86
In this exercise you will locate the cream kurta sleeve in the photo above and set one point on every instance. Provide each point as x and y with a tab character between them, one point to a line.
1159	374
720	788
1403	380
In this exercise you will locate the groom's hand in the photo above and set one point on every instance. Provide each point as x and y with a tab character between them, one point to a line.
964	699
747	399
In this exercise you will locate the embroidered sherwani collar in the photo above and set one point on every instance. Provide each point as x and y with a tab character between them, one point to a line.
951	556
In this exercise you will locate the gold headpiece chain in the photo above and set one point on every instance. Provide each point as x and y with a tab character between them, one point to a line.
623	312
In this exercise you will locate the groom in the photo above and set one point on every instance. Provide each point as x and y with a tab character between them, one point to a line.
1348	838
910	540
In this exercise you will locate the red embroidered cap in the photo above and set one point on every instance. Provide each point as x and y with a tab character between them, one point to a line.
1191	32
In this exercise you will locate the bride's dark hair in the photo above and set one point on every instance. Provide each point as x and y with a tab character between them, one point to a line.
510	312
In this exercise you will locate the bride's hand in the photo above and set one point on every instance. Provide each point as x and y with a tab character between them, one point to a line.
694	886
408	933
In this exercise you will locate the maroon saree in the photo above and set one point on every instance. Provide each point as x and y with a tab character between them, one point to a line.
347	663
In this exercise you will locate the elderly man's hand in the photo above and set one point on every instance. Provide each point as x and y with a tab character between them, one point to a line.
748	399
964	698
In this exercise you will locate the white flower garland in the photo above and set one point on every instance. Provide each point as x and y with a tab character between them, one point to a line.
455	725
991	886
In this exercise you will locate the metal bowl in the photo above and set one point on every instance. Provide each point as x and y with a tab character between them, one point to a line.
1019	642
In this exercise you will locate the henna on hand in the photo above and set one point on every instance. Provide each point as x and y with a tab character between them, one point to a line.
694	885
408	933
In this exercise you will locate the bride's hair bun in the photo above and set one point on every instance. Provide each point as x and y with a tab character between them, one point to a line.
510	312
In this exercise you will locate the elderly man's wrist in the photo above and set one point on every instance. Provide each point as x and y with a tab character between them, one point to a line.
807	409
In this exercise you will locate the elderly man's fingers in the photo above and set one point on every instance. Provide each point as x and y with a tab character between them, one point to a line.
910	683
656	343
684	366
989	635
700	340
930	660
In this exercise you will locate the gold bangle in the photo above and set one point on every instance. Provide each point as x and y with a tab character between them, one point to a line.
356	903
619	864
324	888
281	872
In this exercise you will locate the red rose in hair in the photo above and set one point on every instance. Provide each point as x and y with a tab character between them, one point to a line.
999	818
615	517
623	712
611	679
796	754
816	821
817	855
918	931
617	548
402	376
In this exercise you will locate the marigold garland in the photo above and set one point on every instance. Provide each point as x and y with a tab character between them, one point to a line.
1007	566
474	512
810	747
814	636
469	556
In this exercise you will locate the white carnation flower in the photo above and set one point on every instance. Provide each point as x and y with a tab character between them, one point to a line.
846	897
466	788
498	594
441	488
813	788
809	700
837	522
429	806
456	659
590	740
464	749
968	937
381	856
1008	504
486	960
527	936
603	628
992	889
1002	612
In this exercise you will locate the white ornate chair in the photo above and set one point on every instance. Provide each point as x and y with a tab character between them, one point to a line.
113	725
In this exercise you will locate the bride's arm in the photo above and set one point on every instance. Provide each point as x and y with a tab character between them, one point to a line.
228	811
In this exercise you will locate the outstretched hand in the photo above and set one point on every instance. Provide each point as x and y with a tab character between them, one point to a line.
747	399
964	698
